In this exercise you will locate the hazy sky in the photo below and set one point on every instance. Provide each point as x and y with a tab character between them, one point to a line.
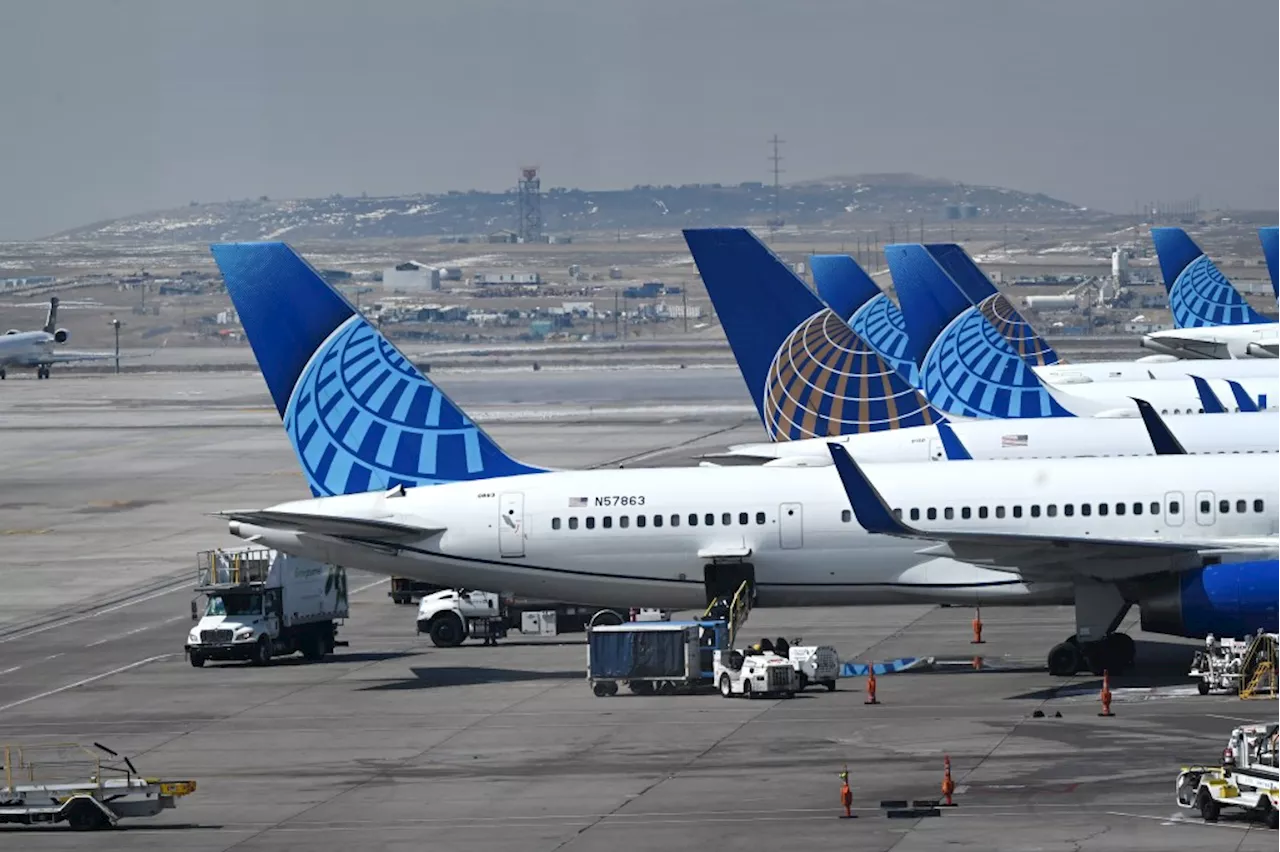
116	107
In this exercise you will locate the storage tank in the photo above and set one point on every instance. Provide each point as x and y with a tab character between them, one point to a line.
1120	267
1052	303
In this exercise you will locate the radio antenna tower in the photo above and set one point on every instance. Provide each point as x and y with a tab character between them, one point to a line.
777	221
529	225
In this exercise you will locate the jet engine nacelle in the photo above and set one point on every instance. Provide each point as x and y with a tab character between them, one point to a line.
61	335
1231	599
12	331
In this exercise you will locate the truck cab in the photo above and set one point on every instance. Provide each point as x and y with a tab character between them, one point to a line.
750	672
1247	778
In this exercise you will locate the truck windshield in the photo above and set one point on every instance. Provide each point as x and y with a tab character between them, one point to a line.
234	605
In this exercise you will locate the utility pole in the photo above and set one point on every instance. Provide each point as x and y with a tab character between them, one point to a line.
615	314
115	323
684	306
776	222
922	229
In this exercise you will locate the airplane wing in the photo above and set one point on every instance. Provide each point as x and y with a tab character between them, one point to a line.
1191	347
385	531
67	357
1040	555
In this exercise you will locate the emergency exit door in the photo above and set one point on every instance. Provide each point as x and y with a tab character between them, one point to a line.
791	525
511	524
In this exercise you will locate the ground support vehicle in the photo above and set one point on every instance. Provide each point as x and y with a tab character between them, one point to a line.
646	656
262	603
753	672
813	664
452	616
1247	778
68	782
1245	666
406	591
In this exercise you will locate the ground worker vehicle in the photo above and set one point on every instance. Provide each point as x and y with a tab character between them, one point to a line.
262	603
813	664
1245	666
647	656
452	616
68	782
1247	778
753	671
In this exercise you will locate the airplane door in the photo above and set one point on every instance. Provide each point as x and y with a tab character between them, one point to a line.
511	524
1173	508
1204	508
936	452
791	526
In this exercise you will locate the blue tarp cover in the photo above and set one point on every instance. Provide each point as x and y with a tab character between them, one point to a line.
637	655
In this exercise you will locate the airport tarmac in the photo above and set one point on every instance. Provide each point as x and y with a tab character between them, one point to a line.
395	744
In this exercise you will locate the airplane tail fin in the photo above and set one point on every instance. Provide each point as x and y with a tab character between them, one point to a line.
998	310
1199	294
842	283
360	416
968	368
51	321
808	373
1271	251
1208	399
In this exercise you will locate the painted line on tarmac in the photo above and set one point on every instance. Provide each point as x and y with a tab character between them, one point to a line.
9	670
167	590
369	586
135	630
1179	819
84	681
1210	715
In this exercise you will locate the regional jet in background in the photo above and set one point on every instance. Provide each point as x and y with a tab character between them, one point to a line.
38	349
406	484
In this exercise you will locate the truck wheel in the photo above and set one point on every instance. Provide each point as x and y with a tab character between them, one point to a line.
726	688
599	690
1203	687
746	689
447	631
85	816
197	661
262	652
831	686
1209	808
804	682
315	647
1272	821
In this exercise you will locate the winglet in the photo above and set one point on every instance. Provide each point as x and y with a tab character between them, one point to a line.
1163	441
1209	399
868	506
1243	400
952	445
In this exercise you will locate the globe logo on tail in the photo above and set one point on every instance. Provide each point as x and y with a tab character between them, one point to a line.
1031	347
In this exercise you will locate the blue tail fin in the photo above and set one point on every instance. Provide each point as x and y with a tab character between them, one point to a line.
360	415
1208	399
930	298
1271	251
1243	401
979	290
969	369
1199	294
842	283
808	373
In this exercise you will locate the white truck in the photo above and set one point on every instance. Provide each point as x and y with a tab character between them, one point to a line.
751	672
452	616
262	603
1247	778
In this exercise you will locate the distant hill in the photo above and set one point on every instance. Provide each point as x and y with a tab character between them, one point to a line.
832	202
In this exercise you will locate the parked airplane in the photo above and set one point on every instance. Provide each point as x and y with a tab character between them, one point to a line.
36	348
369	429
811	374
1212	319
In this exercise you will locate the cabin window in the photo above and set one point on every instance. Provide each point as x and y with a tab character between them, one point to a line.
555	523
657	520
709	520
965	513
915	514
1206	507
1257	505
948	513
1052	510
591	522
573	523
675	520
1086	510
693	519
1155	508
999	511
846	516
1137	508
1068	509
982	512
1174	507
1035	510
640	520
1017	511
760	518
743	519
726	518
932	514
1241	506
624	521
607	522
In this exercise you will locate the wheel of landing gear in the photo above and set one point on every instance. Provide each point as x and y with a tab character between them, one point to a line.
1064	660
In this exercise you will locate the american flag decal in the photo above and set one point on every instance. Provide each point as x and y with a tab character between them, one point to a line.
577	502
1013	440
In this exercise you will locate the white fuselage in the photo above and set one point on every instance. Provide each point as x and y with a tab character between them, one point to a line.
1136	371
1051	437
26	348
546	535
1257	340
1173	396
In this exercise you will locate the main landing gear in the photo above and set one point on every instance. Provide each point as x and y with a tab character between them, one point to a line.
42	371
1096	647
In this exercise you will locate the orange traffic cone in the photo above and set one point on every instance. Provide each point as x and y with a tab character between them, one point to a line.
977	627
948	786
871	685
846	794
1106	694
